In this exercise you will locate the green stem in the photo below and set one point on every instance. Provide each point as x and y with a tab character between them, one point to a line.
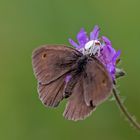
124	110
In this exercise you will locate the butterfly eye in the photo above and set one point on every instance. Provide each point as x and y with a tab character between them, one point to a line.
44	55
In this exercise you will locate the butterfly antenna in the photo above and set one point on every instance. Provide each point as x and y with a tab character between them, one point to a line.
130	118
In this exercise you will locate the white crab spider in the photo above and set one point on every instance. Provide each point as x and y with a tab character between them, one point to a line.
92	47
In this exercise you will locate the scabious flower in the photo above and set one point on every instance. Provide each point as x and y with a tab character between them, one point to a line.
102	48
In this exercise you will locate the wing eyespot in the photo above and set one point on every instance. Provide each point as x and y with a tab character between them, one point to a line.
44	55
104	82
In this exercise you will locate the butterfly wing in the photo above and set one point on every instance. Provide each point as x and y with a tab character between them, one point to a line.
52	94
51	64
93	87
76	108
52	61
97	83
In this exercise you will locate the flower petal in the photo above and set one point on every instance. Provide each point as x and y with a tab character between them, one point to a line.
108	50
73	43
116	56
107	53
82	37
111	68
95	33
106	40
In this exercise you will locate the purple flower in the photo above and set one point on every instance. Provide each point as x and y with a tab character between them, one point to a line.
102	49
82	39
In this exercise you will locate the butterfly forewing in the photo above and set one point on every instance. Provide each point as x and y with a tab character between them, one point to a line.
51	64
52	94
52	61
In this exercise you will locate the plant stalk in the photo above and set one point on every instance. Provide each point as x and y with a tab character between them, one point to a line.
124	110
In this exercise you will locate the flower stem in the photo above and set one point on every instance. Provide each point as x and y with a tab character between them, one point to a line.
124	110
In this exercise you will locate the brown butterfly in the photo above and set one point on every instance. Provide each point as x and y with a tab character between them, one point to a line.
90	83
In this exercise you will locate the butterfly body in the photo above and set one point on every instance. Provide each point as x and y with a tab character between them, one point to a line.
90	83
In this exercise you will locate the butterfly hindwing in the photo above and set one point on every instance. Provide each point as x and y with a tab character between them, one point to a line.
76	108
97	82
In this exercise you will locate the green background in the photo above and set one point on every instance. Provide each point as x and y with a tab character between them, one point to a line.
27	24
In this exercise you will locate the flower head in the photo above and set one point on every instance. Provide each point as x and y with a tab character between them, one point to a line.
101	48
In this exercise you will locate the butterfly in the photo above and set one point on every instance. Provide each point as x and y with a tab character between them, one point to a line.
89	83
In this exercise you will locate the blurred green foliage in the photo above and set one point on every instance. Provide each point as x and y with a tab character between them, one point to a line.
26	24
